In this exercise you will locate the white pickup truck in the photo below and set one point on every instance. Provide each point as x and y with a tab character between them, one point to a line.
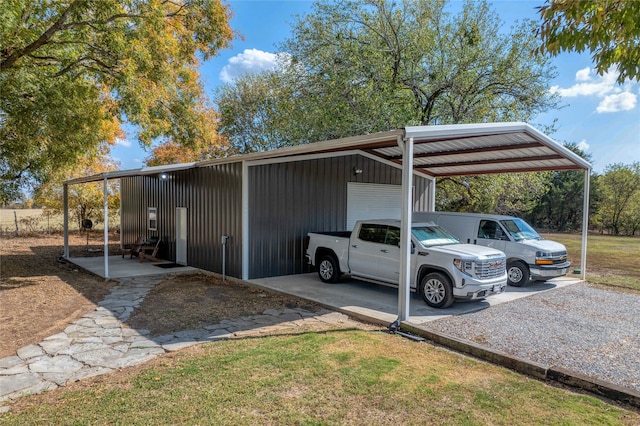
442	269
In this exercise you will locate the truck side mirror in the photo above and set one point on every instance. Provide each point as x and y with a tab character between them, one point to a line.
413	247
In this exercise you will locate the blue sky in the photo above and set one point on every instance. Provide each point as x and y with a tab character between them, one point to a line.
600	115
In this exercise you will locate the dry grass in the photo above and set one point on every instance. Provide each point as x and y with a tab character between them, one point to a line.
33	222
611	261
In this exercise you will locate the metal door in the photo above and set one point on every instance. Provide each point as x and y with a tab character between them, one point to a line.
181	235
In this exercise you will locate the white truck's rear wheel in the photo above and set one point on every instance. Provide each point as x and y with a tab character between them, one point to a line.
328	269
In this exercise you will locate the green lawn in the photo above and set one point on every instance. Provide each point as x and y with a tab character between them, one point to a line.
611	261
337	377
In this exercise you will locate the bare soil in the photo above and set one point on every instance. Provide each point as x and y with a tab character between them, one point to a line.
188	302
40	295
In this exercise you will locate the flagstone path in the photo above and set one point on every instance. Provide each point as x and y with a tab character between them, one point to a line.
101	342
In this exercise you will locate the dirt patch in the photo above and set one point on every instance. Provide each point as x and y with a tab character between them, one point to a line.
39	295
187	302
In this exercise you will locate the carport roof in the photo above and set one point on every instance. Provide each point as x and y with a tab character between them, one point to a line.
444	150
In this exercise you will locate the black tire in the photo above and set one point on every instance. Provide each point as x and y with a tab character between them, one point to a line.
436	290
518	274
328	269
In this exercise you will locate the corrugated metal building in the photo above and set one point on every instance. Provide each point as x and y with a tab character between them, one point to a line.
267	202
287	198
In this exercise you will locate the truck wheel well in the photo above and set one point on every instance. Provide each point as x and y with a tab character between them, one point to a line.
427	269
321	252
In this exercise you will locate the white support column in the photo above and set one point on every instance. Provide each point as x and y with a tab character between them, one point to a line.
65	215
106	230
585	224
405	228
432	195
245	220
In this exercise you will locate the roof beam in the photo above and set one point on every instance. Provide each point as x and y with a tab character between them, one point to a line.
494	148
495	172
493	161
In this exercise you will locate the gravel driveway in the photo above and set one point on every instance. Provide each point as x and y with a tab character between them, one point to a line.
588	330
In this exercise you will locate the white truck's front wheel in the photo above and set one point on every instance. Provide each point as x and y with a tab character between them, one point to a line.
328	269
436	290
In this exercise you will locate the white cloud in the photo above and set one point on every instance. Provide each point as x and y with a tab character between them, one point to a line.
583	145
584	74
590	86
123	142
613	96
251	61
624	101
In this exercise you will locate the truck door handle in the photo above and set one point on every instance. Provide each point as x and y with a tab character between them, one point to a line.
355	246
384	251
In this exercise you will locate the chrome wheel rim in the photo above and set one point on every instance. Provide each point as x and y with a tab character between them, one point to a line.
434	291
326	269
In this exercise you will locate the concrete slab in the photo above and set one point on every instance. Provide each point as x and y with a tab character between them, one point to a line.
124	267
380	303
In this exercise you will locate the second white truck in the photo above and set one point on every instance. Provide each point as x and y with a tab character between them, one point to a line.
442	269
529	256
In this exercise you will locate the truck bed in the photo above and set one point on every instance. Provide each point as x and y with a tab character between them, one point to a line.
343	234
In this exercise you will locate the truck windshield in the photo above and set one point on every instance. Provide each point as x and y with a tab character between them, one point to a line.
520	230
430	236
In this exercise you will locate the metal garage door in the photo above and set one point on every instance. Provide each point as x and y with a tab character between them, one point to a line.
372	201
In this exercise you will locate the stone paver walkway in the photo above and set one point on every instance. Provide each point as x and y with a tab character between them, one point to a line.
99	342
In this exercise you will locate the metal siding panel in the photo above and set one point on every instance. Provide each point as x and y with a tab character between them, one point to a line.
288	200
212	196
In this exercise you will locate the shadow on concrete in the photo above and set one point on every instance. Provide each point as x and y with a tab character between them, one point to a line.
379	303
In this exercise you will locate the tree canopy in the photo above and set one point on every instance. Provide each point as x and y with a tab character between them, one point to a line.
86	201
170	152
619	191
608	29
72	71
356	67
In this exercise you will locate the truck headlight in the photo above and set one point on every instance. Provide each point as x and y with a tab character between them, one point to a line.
464	266
544	258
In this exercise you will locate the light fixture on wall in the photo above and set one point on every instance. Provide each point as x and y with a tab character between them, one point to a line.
357	170
164	176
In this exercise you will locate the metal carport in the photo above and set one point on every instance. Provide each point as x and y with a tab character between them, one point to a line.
434	151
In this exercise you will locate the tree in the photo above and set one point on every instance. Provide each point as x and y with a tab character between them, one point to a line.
169	152
608	29
360	67
86	201
72	70
619	188
561	207
259	113
509	194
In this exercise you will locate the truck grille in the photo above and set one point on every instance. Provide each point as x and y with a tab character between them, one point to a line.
559	257
491	268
